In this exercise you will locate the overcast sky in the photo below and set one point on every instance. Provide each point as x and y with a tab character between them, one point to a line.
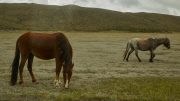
171	7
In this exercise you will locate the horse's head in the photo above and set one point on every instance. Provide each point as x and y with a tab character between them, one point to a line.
167	43
67	73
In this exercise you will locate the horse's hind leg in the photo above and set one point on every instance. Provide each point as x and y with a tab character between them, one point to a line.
136	53
29	66
129	53
21	67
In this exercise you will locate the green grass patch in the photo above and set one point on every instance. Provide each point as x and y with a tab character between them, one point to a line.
113	89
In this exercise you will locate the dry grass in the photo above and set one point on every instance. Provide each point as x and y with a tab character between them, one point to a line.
99	73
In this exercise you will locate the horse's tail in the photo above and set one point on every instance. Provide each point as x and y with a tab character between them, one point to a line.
15	65
126	51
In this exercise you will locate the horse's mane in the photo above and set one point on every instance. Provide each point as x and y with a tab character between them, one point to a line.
66	47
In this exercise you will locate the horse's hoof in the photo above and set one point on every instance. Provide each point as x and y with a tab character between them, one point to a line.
33	81
20	82
66	87
60	82
57	86
150	60
57	83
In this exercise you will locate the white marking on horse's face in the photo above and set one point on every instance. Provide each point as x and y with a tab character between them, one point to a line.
67	84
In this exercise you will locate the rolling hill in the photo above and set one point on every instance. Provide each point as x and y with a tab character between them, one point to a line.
75	18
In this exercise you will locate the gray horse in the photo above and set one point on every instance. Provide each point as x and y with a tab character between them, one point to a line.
145	44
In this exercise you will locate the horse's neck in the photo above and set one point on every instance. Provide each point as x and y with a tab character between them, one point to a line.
68	56
159	42
68	60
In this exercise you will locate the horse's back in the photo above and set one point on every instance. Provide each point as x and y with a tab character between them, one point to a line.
142	43
42	37
39	39
41	45
23	41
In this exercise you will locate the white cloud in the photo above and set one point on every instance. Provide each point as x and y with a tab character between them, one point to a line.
173	11
171	7
60	2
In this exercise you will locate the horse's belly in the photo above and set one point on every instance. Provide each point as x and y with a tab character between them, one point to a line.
143	46
43	54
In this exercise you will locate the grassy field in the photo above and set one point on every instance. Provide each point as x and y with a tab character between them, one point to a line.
99	73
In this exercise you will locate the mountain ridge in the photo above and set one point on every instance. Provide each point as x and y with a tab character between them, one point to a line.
75	18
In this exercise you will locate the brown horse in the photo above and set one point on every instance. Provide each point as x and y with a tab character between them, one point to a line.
43	46
146	44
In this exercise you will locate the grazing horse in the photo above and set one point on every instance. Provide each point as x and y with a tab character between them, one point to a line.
146	44
43	46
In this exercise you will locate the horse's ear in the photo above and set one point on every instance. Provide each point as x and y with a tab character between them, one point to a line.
166	37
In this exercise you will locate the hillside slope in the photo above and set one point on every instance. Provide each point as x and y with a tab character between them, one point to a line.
71	17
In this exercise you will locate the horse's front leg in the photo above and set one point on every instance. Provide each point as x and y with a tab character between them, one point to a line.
152	56
136	53
58	70
67	76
